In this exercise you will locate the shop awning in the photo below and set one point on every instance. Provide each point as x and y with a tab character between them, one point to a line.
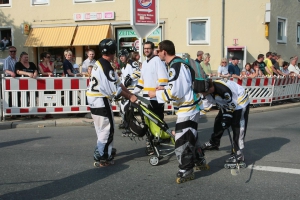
91	35
50	37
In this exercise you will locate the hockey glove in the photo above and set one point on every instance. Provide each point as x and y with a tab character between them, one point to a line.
127	81
226	120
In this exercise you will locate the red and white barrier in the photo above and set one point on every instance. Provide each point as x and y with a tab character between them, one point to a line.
284	88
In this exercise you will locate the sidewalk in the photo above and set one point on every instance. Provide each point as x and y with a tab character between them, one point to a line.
65	120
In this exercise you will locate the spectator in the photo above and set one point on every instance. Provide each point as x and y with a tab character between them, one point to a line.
135	56
269	65
223	69
199	56
4	43
276	64
10	61
116	66
285	69
293	68
67	64
261	63
258	72
76	68
89	61
89	71
234	69
25	68
247	71
206	65
280	61
46	67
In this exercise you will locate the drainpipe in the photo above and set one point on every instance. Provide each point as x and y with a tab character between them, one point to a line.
223	24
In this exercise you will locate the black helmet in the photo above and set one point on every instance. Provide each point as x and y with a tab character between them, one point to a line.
107	46
123	52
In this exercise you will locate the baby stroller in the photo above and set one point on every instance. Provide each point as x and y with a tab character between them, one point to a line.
160	140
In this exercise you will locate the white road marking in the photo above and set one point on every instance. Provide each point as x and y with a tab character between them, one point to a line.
274	169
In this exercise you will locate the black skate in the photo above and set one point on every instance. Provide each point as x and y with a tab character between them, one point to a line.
231	162
209	146
104	162
122	126
200	162
185	175
126	133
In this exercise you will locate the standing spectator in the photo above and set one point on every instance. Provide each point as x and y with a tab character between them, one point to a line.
293	68
234	69
135	56
67	64
153	75
46	67
199	56
89	61
116	66
4	43
285	69
269	65
223	69
276	64
206	65
10	61
280	61
262	64
25	68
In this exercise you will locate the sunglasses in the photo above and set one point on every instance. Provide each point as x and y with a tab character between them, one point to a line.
12	51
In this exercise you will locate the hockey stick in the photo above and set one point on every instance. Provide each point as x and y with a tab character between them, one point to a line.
235	171
142	99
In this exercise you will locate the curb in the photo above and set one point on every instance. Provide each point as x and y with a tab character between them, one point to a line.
63	122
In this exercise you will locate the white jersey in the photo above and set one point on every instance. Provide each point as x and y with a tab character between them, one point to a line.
229	95
104	82
179	90
132	68
154	73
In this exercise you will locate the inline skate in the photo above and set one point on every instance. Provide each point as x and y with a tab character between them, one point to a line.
185	175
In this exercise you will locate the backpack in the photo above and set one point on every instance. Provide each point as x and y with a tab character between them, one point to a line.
200	82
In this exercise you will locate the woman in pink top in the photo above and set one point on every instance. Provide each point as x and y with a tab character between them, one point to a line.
46	67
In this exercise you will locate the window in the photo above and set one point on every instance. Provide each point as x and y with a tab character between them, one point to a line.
40	2
298	33
5	32
88	1
5	3
199	31
281	30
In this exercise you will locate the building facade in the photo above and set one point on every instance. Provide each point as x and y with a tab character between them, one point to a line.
223	28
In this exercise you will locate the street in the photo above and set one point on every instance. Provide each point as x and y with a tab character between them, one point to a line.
57	163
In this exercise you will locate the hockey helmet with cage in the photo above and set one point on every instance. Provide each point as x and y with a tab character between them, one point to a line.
123	52
107	46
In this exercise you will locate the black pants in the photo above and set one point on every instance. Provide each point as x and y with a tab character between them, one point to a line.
239	127
157	108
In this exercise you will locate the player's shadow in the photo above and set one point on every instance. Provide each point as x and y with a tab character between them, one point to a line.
74	182
16	142
254	151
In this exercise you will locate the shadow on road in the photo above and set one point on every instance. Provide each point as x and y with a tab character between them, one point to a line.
254	151
16	142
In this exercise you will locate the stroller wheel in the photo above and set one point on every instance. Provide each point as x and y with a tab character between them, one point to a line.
153	160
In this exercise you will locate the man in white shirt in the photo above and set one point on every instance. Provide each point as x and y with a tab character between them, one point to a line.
89	61
293	68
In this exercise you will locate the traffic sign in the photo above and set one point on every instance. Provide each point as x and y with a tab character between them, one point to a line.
144	16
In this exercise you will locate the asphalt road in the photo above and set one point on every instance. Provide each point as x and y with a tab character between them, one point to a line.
57	163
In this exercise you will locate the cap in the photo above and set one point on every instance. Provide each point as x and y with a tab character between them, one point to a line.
75	66
234	58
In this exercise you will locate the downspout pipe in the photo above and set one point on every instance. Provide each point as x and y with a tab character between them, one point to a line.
223	24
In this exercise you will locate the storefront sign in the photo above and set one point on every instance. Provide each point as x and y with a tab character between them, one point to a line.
128	33
137	44
93	16
26	28
126	44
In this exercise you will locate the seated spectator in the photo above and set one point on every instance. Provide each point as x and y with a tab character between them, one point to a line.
4	43
46	67
223	69
285	69
293	68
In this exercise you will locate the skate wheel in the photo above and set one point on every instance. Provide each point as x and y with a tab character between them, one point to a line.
96	164
226	166
178	180
232	166
192	177
153	160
